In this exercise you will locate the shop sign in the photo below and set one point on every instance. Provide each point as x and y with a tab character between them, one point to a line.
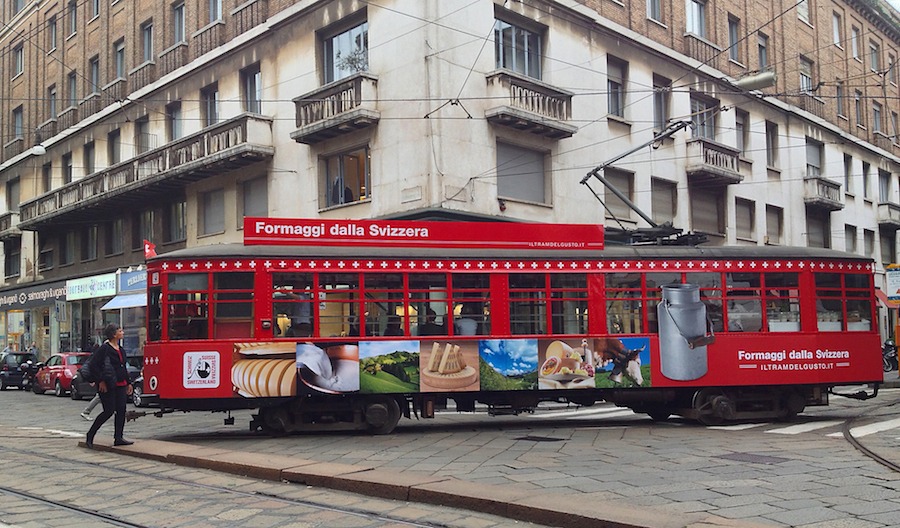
133	281
33	296
91	287
892	275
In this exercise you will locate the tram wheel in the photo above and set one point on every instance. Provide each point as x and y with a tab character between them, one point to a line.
713	406
274	419
382	415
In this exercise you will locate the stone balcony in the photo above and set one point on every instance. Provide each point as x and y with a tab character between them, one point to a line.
116	90
90	105
701	49
336	109
889	215
67	117
13	148
173	58
250	14
46	130
529	105
712	163
209	38
882	141
812	104
821	192
143	75
225	146
9	225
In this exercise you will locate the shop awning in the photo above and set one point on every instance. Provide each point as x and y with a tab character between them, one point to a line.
126	300
885	301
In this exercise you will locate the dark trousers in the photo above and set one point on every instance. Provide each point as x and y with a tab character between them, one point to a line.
113	401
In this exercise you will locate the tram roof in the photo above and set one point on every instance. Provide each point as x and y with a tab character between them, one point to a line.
610	252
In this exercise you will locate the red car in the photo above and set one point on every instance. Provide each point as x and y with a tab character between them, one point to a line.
57	373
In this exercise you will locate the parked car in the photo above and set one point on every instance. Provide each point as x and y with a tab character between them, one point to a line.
57	373
11	372
81	389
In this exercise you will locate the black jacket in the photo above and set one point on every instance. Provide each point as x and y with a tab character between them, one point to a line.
111	366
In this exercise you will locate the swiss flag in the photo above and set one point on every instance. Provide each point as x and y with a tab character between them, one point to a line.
149	249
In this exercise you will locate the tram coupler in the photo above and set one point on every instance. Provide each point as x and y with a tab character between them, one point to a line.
230	419
858	395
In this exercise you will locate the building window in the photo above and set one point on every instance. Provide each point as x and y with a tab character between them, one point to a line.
212	212
818	228
894	130
52	111
813	158
119	59
854	42
18	123
251	83
662	88
848	174
654	10
95	8
696	17
742	131
888	246
347	177
623	182
174	121
708	210
703	117
857	106
178	27
745	218
734	31
46	178
517	49
839	97
147	41
72	82
175	222
803	10
806	76
869	243
771	144
13	194
51	33
892	69
72	8
866	179
617	72
114	146
89	243
89	158
67	248
762	50
209	105
214	10
521	173
876	117
68	168
114	243
45	254
850	244
884	186
141	229
12	250
837	26
874	56
346	53
94	74
255	198
664	197
143	140
18	60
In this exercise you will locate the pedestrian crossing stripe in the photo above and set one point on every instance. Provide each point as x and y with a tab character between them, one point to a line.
805	427
877	427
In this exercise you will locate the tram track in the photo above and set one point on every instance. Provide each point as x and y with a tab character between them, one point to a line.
847	429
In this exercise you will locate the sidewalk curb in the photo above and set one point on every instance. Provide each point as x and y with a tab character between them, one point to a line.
512	502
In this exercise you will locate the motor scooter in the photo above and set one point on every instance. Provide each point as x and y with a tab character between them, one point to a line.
889	356
29	371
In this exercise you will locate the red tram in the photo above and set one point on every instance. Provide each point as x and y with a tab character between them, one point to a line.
369	321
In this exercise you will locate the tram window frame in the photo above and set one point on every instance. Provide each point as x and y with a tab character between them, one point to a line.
233	304
569	302
187	295
527	297
351	319
428	292
781	295
293	304
837	302
712	295
653	297
386	312
470	295
743	301
630	317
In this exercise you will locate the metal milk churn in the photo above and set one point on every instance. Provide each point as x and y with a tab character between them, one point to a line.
682	332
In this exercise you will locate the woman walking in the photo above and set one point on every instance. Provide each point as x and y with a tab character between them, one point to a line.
113	386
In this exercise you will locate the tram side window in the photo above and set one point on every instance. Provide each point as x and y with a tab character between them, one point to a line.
743	306
527	303
655	282
624	303
154	314
843	297
471	293
339	305
711	295
428	300
233	304
385	313
188	301
569	305
292	304
782	296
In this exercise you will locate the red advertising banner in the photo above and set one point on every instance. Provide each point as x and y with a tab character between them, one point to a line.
405	233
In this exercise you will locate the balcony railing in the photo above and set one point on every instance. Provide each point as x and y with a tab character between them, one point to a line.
812	104
143	75
529	105
9	225
821	192
889	215
13	148
68	117
116	90
335	109
882	141
173	58
713	163
209	38
249	15
46	130
90	105
225	146
704	51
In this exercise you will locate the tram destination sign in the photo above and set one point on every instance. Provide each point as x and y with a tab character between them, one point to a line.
406	233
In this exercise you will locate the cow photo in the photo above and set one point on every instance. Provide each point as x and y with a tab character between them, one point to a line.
622	362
